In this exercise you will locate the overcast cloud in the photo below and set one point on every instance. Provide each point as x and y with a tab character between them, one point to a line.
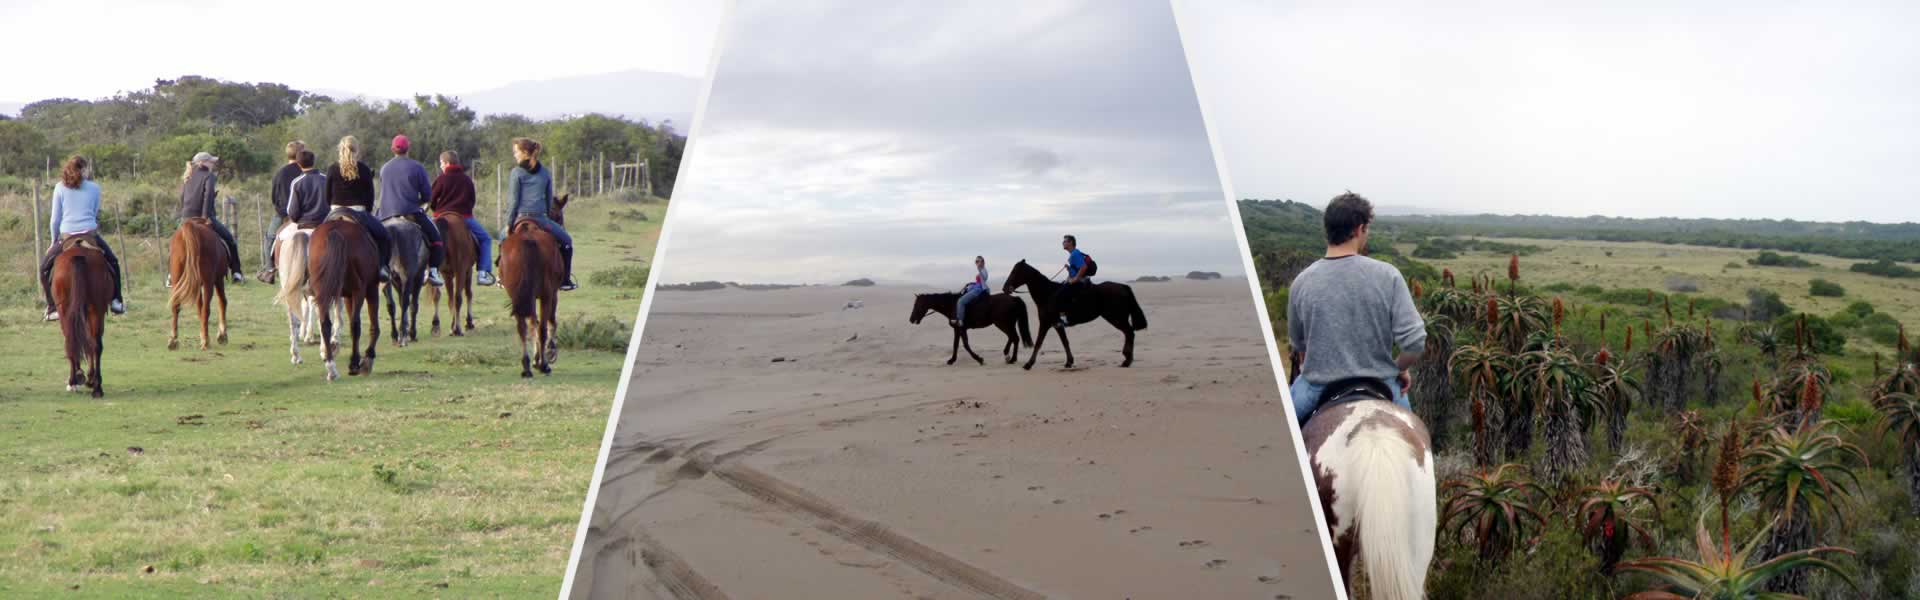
897	142
97	48
1640	108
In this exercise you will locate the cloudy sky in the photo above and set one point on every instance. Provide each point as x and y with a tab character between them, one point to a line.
898	142
97	48
1638	108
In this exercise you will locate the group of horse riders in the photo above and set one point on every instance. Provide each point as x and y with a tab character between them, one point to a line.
1079	268
303	197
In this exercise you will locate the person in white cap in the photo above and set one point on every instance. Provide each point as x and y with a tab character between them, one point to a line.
198	198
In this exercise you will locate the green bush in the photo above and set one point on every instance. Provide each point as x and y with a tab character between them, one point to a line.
620	277
600	333
1822	287
1827	339
1769	258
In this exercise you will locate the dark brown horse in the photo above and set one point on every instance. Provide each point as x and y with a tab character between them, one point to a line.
82	286
531	271
1006	311
458	270
197	266
1106	300
343	266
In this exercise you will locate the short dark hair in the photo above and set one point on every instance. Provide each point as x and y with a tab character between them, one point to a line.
1345	214
306	159
1076	243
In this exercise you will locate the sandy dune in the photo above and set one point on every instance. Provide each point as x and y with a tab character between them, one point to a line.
862	466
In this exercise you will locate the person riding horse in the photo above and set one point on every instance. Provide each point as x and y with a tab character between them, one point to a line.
453	197
350	193
531	185
404	189
1079	269
1347	312
75	212
974	289
198	198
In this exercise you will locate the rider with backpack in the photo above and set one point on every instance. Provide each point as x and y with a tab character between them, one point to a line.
1346	313
1080	267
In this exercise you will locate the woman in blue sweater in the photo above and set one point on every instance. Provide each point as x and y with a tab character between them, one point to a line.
76	211
532	189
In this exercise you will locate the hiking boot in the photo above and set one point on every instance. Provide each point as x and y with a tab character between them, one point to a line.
239	279
118	307
53	315
169	284
433	277
485	278
953	322
267	276
569	285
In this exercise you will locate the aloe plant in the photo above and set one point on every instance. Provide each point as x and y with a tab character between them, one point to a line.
1495	507
1896	398
1795	474
1609	518
1720	573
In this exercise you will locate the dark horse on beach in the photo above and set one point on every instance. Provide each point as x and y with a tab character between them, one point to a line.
1006	311
1106	300
82	286
197	266
1374	472
531	272
458	270
344	266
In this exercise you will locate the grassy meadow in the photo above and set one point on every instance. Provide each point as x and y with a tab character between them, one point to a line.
232	473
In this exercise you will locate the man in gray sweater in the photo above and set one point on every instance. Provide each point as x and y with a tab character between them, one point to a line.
404	188
1346	313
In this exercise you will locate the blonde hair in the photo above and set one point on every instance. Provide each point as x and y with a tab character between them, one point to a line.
294	148
349	158
188	174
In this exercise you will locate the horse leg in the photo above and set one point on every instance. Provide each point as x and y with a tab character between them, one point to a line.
373	306
221	292
467	305
395	325
956	347
353	329
433	297
173	334
413	314
1066	347
1040	341
293	330
1126	331
965	343
99	335
526	360
1012	350
549	326
205	306
328	348
74	374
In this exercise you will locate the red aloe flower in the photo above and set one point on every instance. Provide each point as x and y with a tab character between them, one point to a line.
1513	267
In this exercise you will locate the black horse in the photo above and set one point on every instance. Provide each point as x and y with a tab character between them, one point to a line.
1006	311
1107	300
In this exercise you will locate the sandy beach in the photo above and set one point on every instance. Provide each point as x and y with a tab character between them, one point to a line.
778	444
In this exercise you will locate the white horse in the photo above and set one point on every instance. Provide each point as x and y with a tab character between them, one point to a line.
1374	471
303	315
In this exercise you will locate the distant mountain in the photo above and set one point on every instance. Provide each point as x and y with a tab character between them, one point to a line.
635	94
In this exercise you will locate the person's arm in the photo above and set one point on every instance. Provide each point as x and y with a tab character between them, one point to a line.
59	206
421	186
210	194
513	183
1409	331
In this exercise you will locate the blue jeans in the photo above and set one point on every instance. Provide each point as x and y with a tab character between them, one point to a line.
484	242
1306	397
960	307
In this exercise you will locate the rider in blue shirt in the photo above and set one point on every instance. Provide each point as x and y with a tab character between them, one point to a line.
1076	277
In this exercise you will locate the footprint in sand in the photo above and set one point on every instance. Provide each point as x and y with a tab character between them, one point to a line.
1140	529
1193	544
1036	488
1215	563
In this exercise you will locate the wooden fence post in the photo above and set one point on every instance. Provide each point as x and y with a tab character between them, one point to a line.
35	223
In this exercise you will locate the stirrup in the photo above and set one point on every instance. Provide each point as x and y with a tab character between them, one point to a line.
485	278
117	307
569	285
433	278
53	315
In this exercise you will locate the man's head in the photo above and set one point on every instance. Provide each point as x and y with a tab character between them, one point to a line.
449	159
1068	243
305	159
294	148
1348	218
401	144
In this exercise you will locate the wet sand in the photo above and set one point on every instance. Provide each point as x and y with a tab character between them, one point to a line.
775	444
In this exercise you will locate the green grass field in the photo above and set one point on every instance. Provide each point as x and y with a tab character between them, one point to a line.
232	473
1714	270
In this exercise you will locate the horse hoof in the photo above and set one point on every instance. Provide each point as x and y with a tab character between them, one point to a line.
97	393
526	374
1126	364
456	333
73	388
173	344
950	360
1028	366
546	370
982	361
222	339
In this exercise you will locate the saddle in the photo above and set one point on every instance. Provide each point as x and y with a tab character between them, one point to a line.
1353	389
343	212
198	221
83	239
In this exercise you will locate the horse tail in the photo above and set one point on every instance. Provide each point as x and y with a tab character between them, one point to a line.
1020	321
293	268
1138	317
526	291
327	276
1395	495
190	286
73	317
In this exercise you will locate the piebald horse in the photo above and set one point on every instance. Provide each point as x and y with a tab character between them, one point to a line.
197	266
1374	470
82	286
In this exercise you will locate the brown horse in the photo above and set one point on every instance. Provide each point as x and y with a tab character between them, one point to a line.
1006	311
531	271
344	266
82	286
1109	300
458	270
197	267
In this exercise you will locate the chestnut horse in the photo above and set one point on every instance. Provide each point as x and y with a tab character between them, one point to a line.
531	272
1006	311
344	266
1374	472
1108	300
457	269
197	267
82	286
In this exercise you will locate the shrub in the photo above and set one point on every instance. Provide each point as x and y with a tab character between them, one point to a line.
1827	339
1884	268
599	333
1680	284
1822	287
1769	258
632	276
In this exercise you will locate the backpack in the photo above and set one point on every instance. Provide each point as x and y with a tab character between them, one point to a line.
1092	267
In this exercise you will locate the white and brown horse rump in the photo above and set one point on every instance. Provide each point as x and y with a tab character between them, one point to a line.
1373	468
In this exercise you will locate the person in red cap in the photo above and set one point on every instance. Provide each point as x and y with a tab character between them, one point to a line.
404	189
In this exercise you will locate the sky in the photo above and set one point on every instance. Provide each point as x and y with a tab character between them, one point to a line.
446	47
1638	108
896	143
